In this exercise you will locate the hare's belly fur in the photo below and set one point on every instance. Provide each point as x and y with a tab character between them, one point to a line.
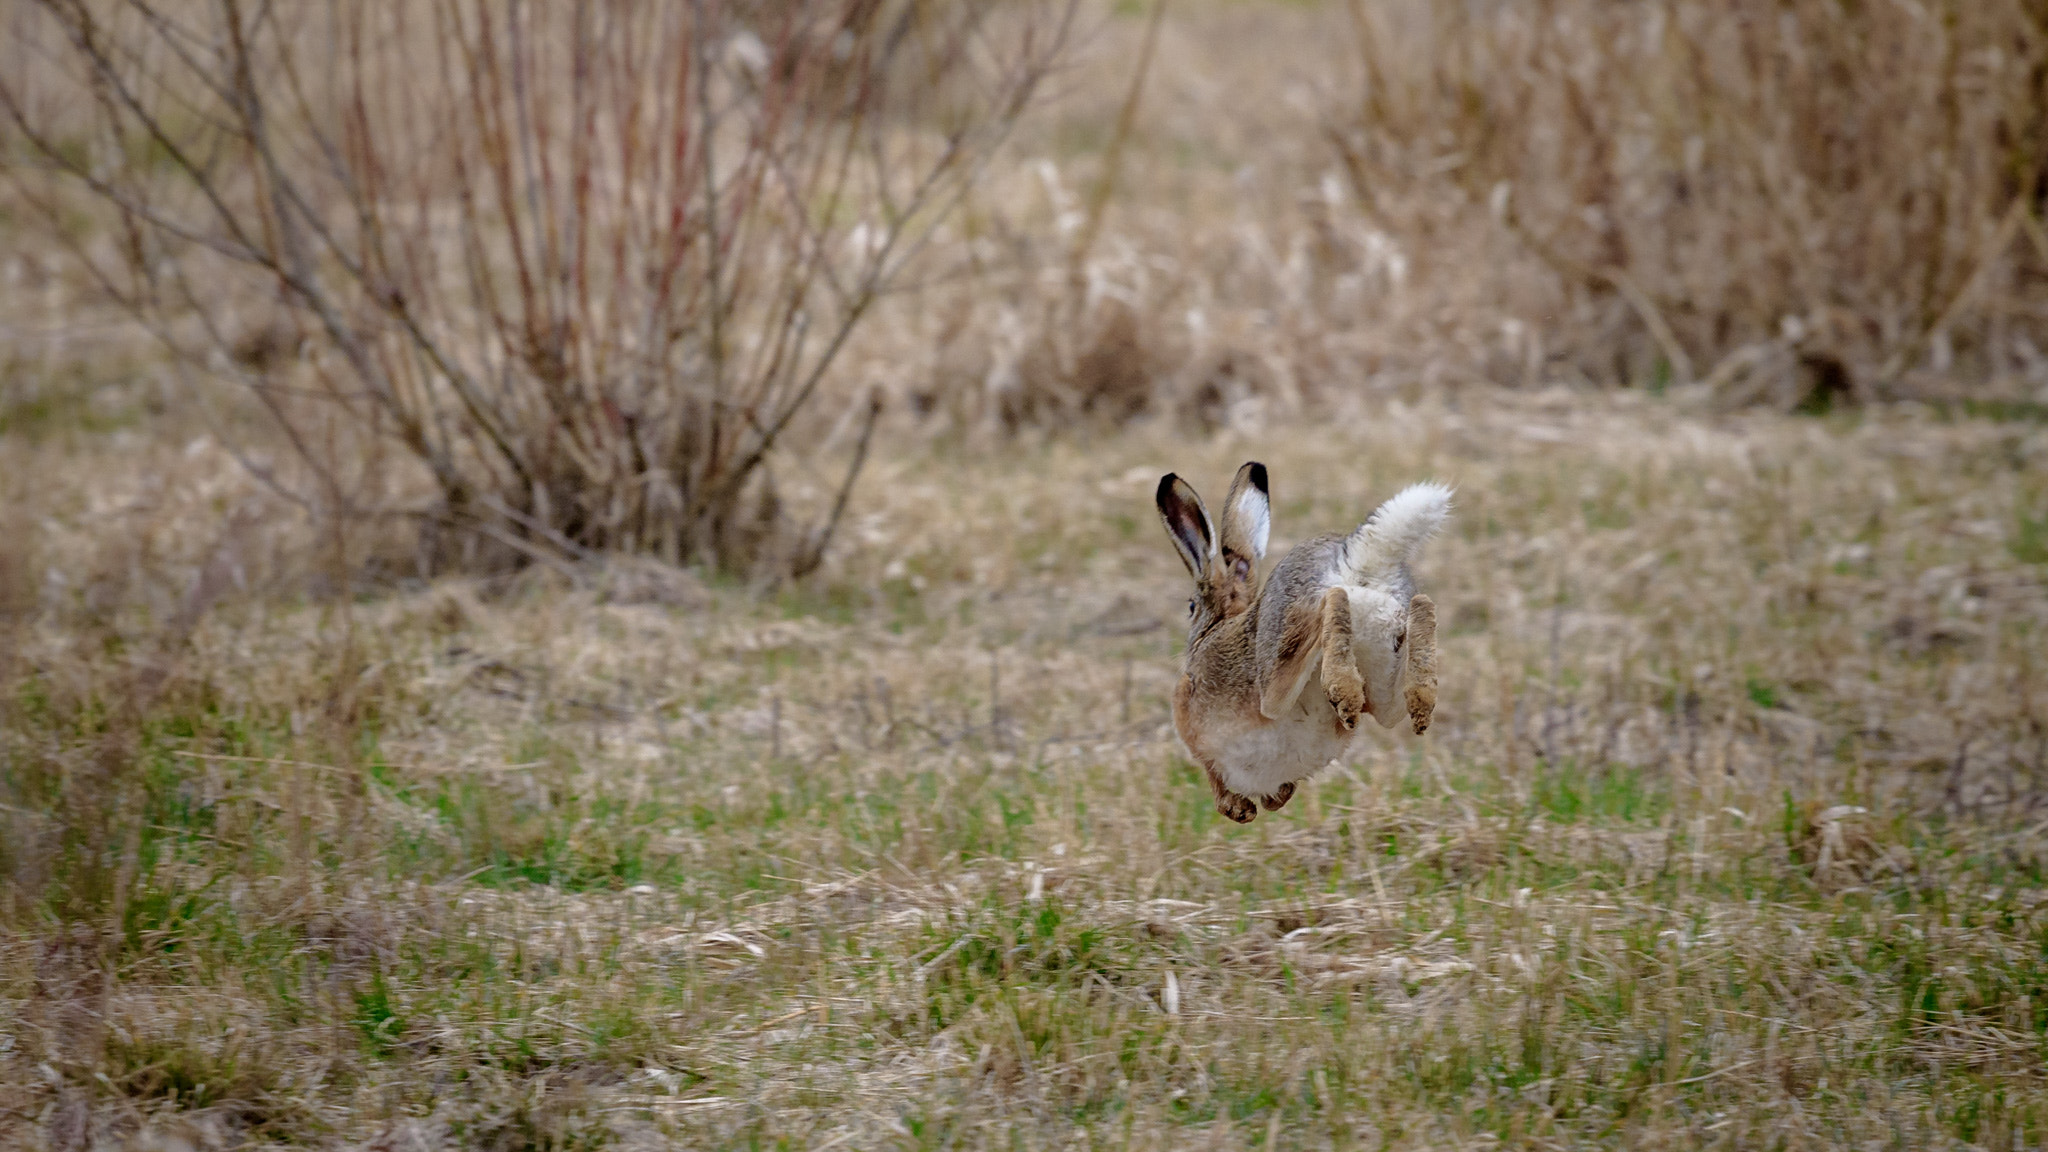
1256	756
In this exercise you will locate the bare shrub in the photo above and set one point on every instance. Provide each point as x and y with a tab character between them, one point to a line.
586	267
1083	367
1797	201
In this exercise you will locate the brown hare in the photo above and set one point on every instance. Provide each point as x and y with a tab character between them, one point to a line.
1278	674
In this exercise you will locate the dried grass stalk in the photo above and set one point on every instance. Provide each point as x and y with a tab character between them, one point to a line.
1840	185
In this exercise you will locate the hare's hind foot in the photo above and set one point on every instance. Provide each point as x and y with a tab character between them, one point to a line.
1279	798
1239	808
1242	809
1341	681
1348	698
1421	693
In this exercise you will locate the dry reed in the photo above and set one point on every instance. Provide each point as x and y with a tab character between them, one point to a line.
1801	203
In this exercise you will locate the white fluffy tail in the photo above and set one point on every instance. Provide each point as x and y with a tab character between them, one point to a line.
1394	535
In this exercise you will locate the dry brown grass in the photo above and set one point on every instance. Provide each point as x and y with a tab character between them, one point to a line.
1810	201
1729	831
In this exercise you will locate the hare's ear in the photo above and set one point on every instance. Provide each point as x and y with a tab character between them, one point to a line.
1247	521
1187	521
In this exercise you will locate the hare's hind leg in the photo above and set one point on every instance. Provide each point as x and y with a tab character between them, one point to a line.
1421	693
1341	681
1242	809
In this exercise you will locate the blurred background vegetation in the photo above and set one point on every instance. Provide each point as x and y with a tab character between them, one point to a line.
580	574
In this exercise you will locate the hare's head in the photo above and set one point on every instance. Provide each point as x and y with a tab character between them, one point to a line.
1225	567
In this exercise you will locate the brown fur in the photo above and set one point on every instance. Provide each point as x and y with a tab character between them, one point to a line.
1253	646
1224	692
1421	641
1346	688
1300	640
1187	720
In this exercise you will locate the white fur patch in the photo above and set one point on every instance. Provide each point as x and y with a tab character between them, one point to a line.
1376	620
1255	512
1394	535
1257	760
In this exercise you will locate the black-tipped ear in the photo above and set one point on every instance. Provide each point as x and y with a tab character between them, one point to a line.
1247	519
1187	521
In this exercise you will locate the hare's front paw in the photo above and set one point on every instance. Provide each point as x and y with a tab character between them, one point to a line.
1279	798
1238	808
1347	696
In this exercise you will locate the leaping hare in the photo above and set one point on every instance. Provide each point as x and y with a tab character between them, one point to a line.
1278	674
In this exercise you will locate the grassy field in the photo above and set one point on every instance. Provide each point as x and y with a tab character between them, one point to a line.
1727	833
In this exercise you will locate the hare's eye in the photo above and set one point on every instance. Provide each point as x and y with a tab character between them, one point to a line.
1191	606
